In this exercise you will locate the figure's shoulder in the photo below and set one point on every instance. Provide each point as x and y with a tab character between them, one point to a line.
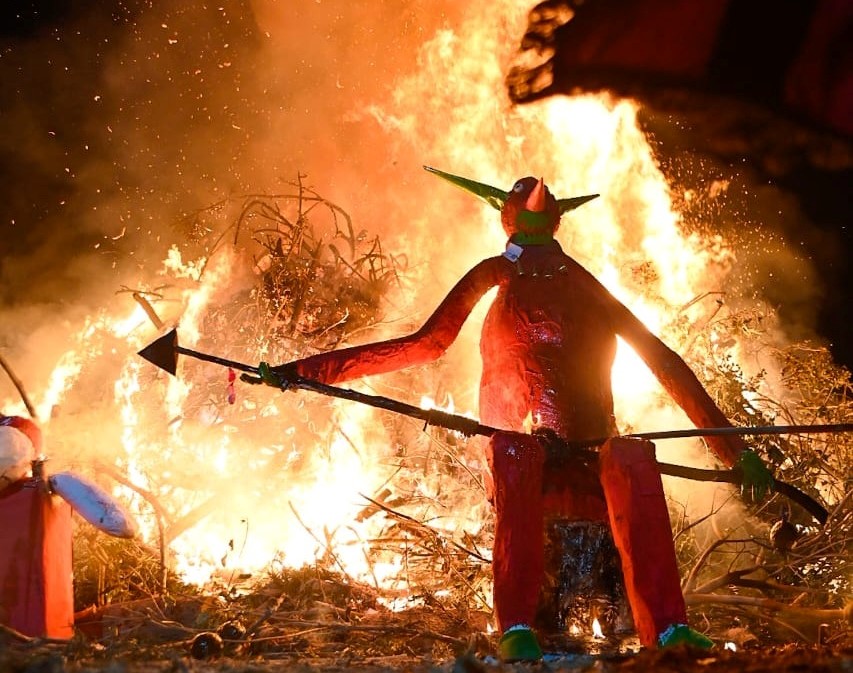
490	271
580	275
496	263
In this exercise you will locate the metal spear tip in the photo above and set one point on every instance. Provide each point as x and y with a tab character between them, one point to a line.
163	352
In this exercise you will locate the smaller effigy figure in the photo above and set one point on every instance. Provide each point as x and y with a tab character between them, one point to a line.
548	344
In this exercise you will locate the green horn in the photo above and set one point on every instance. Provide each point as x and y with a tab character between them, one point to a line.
565	205
495	197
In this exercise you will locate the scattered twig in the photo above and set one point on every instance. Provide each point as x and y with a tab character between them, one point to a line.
14	633
329	551
19	386
311	627
161	516
142	300
731	577
766	604
423	526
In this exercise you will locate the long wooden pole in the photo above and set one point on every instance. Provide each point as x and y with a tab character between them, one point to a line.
164	352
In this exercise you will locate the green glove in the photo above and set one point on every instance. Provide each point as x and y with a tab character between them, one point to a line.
268	376
757	479
277	377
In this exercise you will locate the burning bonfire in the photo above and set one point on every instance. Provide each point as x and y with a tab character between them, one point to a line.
264	515
284	523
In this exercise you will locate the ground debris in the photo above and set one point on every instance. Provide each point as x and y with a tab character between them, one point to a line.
782	659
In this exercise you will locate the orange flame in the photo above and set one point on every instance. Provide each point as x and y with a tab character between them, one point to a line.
294	501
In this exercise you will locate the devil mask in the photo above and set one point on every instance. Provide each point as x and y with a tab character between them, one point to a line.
530	214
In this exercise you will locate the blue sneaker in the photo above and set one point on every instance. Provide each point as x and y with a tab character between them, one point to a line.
518	643
681	634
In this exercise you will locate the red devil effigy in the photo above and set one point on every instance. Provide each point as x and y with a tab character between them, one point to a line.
548	345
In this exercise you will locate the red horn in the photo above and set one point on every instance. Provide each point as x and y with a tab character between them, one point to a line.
536	200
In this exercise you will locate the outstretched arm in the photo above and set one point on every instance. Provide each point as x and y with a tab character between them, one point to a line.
681	383
678	380
425	345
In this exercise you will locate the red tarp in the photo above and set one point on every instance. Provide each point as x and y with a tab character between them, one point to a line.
36	583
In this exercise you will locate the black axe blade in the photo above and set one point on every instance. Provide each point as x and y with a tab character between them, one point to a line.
163	352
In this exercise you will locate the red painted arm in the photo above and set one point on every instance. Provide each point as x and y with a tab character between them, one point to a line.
425	345
678	380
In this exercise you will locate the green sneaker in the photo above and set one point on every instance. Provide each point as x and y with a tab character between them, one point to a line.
518	643
681	634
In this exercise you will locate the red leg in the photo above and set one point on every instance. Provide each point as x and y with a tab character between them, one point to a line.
516	464
642	532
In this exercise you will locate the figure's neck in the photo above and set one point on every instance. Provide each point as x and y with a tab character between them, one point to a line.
521	238
515	250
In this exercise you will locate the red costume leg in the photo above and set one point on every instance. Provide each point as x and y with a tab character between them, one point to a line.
516	464
642	532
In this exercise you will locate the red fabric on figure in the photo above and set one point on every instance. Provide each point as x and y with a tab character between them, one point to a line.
548	345
36	578
36	590
639	521
518	561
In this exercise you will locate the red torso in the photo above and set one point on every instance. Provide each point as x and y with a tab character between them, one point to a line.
548	345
